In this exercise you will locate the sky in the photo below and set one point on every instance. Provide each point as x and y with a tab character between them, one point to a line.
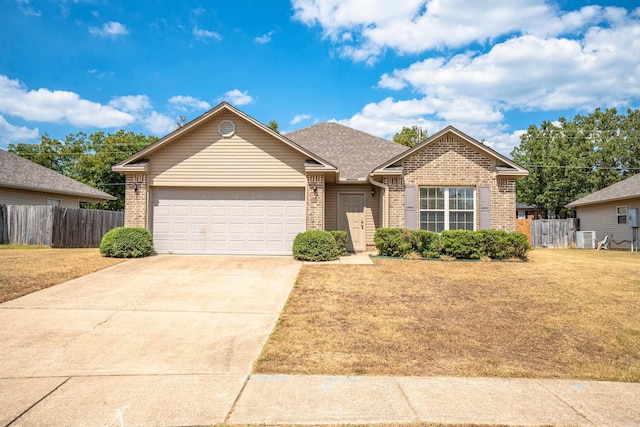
489	68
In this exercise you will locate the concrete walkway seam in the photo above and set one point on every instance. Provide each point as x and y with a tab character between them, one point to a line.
37	402
564	402
235	402
406	398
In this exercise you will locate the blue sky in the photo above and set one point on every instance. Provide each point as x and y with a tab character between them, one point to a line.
490	69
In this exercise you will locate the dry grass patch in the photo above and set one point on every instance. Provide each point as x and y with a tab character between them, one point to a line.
25	269
563	314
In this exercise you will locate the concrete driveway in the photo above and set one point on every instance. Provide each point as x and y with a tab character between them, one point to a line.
164	340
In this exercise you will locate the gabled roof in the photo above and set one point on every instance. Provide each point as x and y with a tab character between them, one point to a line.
20	173
504	166
626	189
354	152
135	162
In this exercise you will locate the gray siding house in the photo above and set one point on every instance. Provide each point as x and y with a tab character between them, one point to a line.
610	212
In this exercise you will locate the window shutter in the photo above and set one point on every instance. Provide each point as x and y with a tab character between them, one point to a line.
410	207
485	208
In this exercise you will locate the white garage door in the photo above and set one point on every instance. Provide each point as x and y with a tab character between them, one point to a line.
227	221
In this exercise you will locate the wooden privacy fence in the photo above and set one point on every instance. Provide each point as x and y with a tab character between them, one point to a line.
55	226
549	233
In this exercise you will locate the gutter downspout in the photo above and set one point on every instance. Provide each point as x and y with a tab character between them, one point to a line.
385	201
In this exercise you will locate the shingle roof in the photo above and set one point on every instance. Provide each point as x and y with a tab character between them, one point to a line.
625	189
17	172
355	153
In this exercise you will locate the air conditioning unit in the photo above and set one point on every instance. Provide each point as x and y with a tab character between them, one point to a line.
586	239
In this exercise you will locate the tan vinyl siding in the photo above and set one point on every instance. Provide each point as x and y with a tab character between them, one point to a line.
372	207
251	157
13	196
603	219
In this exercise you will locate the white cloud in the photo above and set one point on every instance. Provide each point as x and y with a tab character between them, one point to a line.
188	103
12	134
159	124
300	118
363	32
44	105
265	38
109	29
131	103
27	9
238	97
533	73
206	34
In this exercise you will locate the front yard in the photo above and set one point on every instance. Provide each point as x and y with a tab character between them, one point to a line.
27	269
563	314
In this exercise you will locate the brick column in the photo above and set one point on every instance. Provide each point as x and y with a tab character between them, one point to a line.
315	201
136	197
503	205
396	201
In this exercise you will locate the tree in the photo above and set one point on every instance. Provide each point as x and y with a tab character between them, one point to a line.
88	158
410	136
572	158
182	120
274	126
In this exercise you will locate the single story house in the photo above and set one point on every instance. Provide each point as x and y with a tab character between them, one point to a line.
23	182
613	212
226	184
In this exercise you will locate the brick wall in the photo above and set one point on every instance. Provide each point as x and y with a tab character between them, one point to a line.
396	200
450	162
315	201
136	196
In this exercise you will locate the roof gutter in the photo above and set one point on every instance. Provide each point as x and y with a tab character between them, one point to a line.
385	201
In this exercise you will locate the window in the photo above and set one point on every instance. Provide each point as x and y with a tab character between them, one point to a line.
53	202
522	215
447	208
622	214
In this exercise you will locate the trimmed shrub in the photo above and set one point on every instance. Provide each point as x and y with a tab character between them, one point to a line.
517	245
127	242
315	245
342	238
492	243
393	241
425	241
460	244
452	244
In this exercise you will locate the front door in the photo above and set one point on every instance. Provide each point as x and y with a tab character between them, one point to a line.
352	220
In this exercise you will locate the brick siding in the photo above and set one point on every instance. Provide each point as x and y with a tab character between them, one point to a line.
315	201
450	162
136	196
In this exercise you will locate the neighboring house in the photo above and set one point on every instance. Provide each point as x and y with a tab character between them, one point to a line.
226	184
612	212
527	212
23	182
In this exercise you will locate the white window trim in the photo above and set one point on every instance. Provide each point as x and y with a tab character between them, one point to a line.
54	202
446	204
624	215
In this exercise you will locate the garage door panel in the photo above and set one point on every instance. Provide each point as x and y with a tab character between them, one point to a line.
227	221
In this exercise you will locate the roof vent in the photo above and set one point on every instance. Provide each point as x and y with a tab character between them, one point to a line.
227	128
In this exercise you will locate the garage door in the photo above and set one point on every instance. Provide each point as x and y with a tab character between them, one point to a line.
227	221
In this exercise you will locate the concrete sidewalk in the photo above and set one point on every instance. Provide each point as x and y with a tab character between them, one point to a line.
360	400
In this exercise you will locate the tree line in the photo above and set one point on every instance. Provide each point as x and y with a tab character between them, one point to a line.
571	158
88	159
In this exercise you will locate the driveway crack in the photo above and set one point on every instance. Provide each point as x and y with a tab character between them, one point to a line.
68	342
